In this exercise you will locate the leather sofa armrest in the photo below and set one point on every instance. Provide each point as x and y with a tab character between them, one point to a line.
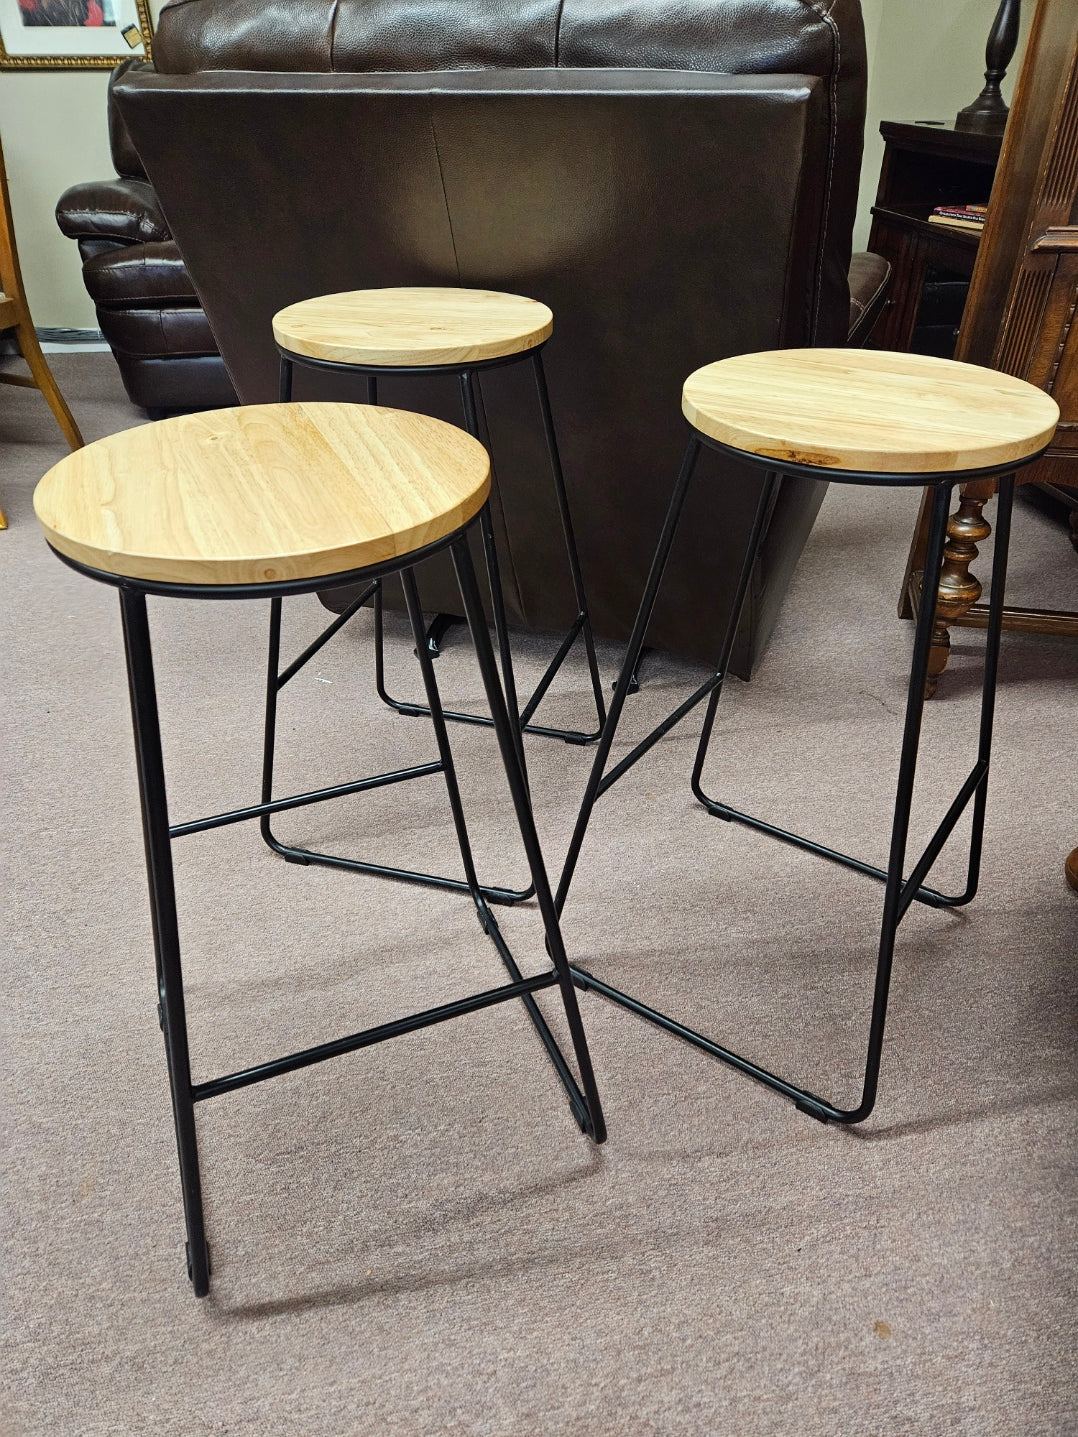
123	210
870	281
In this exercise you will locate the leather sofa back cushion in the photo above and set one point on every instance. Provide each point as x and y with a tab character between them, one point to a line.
124	155
804	37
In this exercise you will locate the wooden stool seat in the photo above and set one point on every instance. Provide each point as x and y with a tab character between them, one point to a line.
412	326
263	494
869	411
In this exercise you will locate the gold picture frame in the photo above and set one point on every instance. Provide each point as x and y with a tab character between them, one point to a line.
137	32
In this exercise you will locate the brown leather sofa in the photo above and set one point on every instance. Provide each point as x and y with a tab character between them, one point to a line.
147	307
676	180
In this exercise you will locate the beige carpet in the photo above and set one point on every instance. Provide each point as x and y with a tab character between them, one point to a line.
416	1239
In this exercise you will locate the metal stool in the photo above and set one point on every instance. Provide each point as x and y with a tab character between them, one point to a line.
851	417
263	502
458	332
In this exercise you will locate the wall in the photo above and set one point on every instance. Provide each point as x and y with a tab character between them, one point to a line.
926	60
54	133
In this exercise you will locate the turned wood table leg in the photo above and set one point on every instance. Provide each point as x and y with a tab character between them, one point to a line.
959	590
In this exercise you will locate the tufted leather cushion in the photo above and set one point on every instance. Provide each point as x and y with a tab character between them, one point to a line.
732	36
139	275
125	210
157	332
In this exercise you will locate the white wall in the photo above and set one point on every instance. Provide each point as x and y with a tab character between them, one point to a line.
55	133
926	62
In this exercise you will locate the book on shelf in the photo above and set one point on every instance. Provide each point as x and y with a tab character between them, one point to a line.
950	222
964	211
972	215
970	218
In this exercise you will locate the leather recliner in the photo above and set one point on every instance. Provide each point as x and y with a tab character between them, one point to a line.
676	180
152	319
146	305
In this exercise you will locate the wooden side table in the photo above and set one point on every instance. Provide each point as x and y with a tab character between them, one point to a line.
925	166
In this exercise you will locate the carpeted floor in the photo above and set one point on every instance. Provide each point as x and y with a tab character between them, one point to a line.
416	1239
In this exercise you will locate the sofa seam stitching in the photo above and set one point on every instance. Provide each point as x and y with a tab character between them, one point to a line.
333	34
441	181
828	18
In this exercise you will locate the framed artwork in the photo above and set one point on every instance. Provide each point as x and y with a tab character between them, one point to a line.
72	34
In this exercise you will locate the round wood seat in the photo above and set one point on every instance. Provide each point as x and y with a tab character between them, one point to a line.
263	494
412	326
868	411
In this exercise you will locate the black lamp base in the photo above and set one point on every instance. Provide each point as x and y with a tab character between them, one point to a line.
988	113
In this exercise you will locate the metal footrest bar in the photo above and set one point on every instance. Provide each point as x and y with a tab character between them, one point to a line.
418	710
807	1102
301	800
913	889
366	1039
504	897
833	855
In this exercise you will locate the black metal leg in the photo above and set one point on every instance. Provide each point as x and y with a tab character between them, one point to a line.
445	753
915	890
583	618
487	919
764	508
437	629
372	389
634	678
991	670
581	626
285	381
907	772
591	1118
628	665
155	828
494	578
501	629
269	736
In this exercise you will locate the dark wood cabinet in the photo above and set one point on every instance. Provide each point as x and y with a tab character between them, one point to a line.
925	166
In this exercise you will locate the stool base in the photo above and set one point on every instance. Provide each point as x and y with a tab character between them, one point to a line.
901	890
158	835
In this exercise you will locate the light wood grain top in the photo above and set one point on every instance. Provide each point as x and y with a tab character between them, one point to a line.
869	410
412	326
263	494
